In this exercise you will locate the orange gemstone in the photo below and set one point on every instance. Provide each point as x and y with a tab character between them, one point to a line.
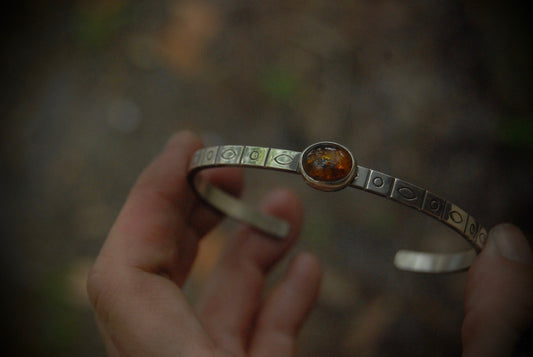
327	163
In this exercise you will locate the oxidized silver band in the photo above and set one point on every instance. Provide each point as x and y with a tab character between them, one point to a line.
356	176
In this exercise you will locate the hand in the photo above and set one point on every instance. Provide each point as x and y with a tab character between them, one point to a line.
136	280
499	297
135	284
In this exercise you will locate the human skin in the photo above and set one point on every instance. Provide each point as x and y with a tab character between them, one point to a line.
136	282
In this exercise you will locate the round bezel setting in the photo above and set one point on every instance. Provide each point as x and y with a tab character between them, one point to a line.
328	166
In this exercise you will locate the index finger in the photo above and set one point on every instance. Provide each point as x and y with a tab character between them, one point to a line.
154	231
155	237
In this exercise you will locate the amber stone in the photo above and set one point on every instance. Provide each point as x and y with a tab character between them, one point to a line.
327	163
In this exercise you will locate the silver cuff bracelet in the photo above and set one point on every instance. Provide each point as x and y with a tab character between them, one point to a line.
329	166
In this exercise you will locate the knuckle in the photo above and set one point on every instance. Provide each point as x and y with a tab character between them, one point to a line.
98	290
94	286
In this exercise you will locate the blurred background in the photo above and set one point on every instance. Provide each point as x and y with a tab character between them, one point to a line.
435	92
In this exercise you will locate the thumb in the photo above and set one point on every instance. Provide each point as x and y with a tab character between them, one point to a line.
499	296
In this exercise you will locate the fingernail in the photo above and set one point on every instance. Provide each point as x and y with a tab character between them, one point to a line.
509	241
